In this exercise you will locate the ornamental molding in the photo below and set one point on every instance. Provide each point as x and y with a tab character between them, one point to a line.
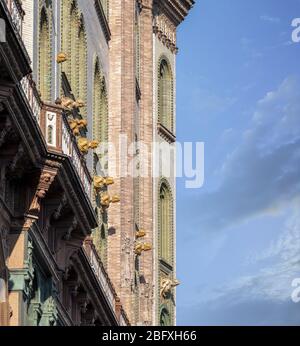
165	30
103	20
176	10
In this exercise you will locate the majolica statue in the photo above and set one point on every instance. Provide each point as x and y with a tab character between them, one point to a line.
140	234
76	125
100	182
61	57
69	104
84	145
106	200
140	247
166	286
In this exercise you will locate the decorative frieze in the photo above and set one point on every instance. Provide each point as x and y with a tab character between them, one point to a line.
165	30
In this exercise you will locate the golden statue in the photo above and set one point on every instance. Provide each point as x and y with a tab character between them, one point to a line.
93	144
140	234
115	199
76	125
106	200
166	286
84	145
140	247
100	182
69	104
109	181
79	103
61	57
65	102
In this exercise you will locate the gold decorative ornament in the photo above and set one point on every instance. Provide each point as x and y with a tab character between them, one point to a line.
106	200
65	102
61	57
76	125
84	145
93	144
140	247
69	104
115	199
140	234
109	181
79	103
166	286
100	182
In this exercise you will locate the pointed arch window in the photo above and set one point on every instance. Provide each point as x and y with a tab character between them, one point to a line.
44	58
82	72
165	95
165	222
74	44
165	319
104	4
100	106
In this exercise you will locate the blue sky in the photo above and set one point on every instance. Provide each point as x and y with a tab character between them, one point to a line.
238	237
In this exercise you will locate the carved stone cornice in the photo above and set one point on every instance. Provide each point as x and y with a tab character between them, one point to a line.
176	10
166	134
165	30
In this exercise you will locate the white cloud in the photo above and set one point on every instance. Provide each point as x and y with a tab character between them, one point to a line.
262	173
270	19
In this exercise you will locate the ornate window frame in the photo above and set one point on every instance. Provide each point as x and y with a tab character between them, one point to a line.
45	52
165	100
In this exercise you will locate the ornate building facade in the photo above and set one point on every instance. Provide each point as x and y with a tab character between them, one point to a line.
79	247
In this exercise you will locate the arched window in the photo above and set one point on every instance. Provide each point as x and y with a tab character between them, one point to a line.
74	44
82	57
165	95
100	111
164	319
44	75
165	213
73	54
104	4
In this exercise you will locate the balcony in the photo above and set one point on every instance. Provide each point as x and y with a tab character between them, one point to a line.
104	282
57	132
17	13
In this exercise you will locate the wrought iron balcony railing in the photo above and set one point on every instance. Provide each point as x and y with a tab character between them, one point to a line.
105	282
17	13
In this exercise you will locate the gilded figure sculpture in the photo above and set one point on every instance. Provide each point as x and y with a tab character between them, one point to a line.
140	247
84	145
61	57
140	234
166	286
